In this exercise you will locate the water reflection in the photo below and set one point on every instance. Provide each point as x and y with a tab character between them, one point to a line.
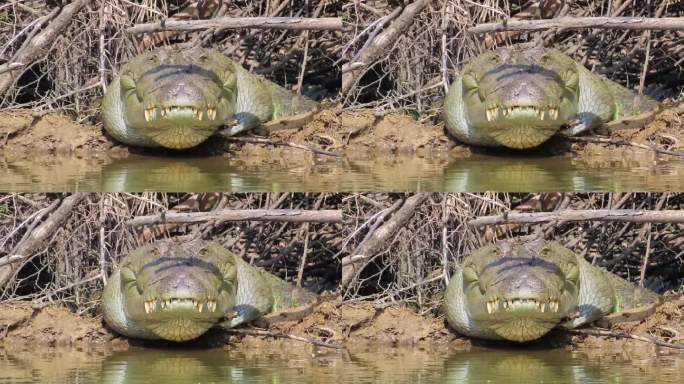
303	172
301	364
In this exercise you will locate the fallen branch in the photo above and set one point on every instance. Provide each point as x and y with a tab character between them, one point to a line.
263	332
621	215
604	140
36	47
289	215
624	335
637	23
297	23
377	240
36	236
260	140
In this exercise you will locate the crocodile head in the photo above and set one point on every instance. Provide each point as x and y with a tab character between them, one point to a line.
520	96
178	290
521	289
177	98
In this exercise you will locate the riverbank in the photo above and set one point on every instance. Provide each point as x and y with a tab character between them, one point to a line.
350	325
354	134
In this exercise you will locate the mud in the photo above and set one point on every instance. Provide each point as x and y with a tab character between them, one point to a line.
24	133
355	325
357	133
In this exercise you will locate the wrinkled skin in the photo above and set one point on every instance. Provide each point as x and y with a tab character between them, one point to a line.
176	291
177	98
519	290
520	97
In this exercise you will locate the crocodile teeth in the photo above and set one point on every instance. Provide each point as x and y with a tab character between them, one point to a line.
211	112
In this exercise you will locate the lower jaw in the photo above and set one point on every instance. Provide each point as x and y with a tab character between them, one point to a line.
182	138
522	137
180	329
523	329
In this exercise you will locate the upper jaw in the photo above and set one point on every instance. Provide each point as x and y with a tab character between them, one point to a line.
510	305
161	113
497	113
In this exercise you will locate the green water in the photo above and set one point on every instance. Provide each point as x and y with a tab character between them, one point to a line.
301	364
303	172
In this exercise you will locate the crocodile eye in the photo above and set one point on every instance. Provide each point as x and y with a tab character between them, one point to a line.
230	80
128	278
155	252
572	274
572	80
469	82
127	82
546	252
469	275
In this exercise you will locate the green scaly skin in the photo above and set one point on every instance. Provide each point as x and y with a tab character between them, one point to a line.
177	98
518	290
520	97
176	291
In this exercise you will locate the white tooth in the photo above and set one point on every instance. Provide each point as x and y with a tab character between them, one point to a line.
200	305
489	307
147	115
147	307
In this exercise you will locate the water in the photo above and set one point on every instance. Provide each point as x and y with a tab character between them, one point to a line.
303	172
304	365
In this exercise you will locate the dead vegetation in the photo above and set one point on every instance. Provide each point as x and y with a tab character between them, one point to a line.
82	45
391	248
404	57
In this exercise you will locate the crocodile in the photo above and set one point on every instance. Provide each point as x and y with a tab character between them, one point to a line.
519	97
177	98
519	290
176	290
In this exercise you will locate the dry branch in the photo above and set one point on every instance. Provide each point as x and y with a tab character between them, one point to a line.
625	335
35	238
606	140
377	240
264	332
37	46
297	23
353	71
621	215
283	143
289	215
638	23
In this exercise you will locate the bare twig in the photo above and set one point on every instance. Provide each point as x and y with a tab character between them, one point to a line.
622	215
638	23
298	23
289	215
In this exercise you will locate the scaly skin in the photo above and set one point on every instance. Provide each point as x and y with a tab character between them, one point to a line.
519	97
177	98
178	290
518	291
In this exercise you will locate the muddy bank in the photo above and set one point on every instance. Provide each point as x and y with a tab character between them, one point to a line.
355	325
357	134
